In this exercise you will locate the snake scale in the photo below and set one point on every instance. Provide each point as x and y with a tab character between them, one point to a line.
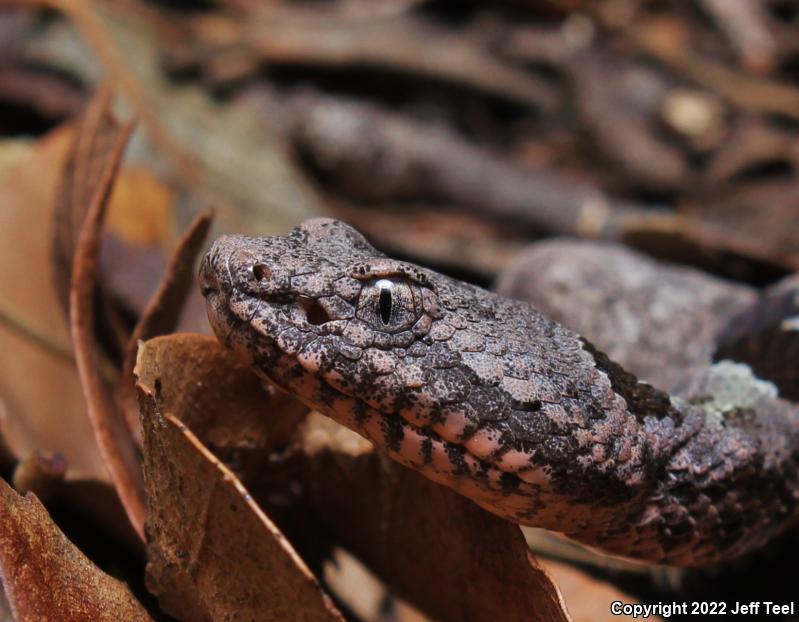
488	396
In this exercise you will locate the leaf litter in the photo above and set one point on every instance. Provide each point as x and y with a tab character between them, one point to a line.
245	497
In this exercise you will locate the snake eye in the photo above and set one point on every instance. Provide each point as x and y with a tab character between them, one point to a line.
390	304
385	286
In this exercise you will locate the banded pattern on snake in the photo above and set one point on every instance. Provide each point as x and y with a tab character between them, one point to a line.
490	397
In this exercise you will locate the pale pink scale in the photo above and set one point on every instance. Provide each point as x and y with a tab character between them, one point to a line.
453	425
535	475
418	415
513	460
440	461
411	446
370	426
521	390
487	367
483	443
411	376
380	361
311	360
441	331
468	341
343	410
472	463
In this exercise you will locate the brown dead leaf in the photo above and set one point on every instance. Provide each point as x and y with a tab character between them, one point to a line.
139	235
752	144
46	577
162	312
749	27
363	593
457	562
140	208
348	139
39	383
219	398
213	553
84	166
608	94
438	236
110	429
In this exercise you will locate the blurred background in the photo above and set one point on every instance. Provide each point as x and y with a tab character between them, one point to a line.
450	134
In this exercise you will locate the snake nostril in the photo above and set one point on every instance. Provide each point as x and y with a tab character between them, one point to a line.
261	272
314	312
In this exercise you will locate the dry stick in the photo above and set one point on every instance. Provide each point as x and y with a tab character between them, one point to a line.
744	23
624	133
382	156
83	169
110	430
400	44
741	89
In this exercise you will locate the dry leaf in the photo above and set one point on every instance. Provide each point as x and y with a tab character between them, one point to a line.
440	236
40	473
82	172
7	458
162	312
214	394
745	90
39	383
396	44
110	429
140	209
213	553
46	577
5	608
138	237
456	562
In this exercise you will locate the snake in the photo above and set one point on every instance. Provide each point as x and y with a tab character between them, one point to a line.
490	397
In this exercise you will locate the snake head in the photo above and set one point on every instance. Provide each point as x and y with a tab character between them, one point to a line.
473	390
269	298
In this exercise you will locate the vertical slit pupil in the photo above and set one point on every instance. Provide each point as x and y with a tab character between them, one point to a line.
385	305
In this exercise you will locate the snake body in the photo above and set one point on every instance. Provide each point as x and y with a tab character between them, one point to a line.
490	397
